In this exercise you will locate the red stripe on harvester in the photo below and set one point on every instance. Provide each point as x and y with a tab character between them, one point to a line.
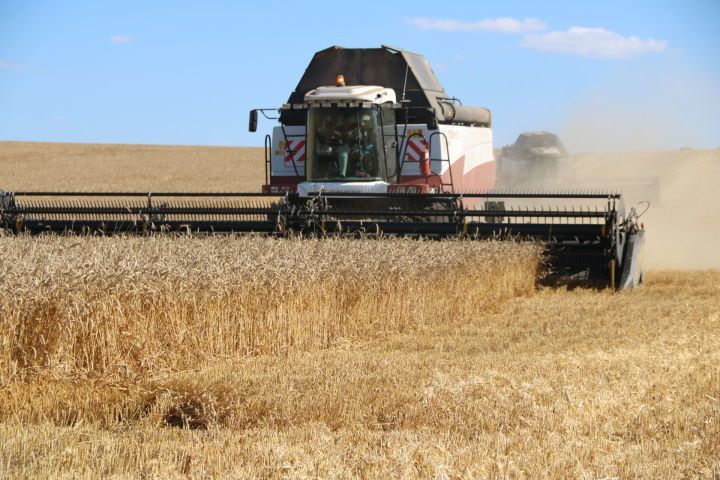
414	148
290	152
301	146
295	149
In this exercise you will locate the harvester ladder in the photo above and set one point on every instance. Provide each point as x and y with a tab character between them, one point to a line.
403	156
442	160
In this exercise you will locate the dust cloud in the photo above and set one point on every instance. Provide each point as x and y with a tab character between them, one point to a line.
655	121
683	186
682	220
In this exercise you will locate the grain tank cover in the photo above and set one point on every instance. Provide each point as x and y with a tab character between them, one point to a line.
386	66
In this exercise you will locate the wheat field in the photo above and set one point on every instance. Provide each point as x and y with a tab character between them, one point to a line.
248	357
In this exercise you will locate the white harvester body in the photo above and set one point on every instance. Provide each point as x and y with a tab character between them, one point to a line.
391	128
461	157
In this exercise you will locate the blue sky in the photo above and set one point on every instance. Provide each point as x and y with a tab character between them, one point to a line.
606	75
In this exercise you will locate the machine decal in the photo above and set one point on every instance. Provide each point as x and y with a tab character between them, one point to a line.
415	148
296	149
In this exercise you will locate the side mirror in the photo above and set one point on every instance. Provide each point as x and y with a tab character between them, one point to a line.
253	121
432	120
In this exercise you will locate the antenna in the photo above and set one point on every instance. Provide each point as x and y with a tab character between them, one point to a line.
407	67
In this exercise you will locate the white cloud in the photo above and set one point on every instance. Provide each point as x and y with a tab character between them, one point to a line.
502	25
9	66
121	39
593	42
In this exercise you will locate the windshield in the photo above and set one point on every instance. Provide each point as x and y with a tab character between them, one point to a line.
344	144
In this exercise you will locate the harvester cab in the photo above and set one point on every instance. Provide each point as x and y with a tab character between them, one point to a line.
351	139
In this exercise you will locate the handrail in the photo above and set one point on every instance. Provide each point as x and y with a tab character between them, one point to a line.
268	159
447	147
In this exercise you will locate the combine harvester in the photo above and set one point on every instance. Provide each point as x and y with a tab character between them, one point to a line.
369	145
540	160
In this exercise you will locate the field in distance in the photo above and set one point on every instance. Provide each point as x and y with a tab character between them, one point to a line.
177	357
104	167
